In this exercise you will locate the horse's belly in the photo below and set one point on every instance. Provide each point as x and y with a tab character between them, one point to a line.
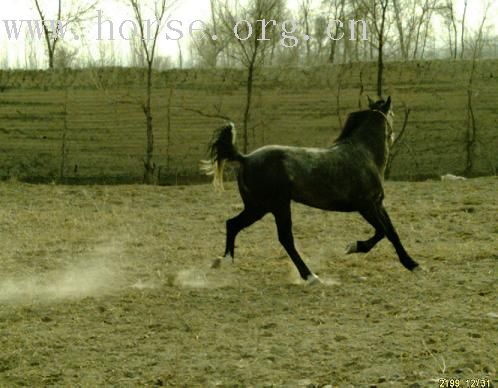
323	196
331	205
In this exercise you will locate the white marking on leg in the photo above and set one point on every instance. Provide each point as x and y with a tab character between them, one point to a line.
419	271
313	280
222	261
352	248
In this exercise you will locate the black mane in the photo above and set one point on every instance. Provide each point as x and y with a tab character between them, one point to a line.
353	121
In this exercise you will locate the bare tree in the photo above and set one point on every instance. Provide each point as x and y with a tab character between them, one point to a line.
381	35
305	9
320	36
396	144
64	148
378	13
30	54
413	21
361	9
254	37
404	25
55	29
137	54
423	19
462	40
180	54
106	54
207	44
471	140
336	8
149	33
447	11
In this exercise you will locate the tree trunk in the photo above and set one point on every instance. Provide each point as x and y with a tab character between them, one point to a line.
426	33
247	112
62	167
471	134
149	165
180	55
419	27
308	33
50	59
399	25
471	119
333	47
380	64
339	13
455	34
168	129
462	42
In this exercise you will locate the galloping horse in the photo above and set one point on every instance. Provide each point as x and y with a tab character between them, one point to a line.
346	177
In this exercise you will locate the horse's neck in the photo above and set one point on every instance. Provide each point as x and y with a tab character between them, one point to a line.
380	152
376	144
387	118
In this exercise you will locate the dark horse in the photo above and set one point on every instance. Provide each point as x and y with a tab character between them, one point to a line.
346	177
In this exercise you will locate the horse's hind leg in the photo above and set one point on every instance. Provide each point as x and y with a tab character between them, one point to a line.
366	246
383	218
234	225
283	220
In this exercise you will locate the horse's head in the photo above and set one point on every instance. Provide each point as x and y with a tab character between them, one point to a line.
381	105
385	108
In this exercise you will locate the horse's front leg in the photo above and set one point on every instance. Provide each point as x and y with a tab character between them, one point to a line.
377	216
365	246
393	237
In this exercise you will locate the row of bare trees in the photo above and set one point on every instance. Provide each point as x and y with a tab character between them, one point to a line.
400	29
260	41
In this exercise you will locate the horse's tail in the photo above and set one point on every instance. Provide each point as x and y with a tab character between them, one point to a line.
221	148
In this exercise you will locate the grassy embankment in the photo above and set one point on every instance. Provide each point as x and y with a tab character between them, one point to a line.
105	136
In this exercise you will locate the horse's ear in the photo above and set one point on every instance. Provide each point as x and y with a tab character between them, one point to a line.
371	102
387	105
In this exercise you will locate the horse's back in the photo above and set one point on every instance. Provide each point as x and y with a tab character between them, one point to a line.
338	178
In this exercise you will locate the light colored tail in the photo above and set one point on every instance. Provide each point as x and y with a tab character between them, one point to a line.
215	168
221	148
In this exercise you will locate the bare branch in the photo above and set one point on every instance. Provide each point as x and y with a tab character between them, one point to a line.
63	19
204	114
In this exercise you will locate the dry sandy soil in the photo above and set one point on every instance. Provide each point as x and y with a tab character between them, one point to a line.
112	286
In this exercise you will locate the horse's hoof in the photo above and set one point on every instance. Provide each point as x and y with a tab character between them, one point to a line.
313	280
419	271
222	261
352	248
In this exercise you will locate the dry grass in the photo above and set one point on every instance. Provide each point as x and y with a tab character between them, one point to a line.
112	285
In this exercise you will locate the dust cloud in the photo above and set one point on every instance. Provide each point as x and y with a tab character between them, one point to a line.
196	278
94	273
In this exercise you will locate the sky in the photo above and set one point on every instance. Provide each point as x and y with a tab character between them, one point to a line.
186	11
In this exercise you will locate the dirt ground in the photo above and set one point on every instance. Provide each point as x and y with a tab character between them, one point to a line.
112	286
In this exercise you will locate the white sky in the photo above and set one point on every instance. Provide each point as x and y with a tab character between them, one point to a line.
186	11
